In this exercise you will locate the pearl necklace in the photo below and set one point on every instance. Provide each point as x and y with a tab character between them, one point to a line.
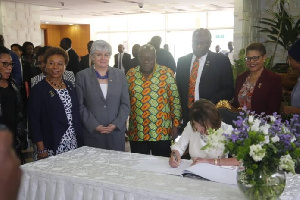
56	85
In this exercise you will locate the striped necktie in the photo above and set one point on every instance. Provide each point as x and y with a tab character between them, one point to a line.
192	83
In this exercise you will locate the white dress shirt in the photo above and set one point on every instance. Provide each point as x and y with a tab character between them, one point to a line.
120	63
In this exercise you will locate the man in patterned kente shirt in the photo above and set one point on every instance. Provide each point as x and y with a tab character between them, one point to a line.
155	105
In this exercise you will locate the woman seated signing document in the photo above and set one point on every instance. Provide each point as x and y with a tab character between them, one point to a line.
203	115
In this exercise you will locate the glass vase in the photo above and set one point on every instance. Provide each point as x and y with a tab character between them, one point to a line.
261	184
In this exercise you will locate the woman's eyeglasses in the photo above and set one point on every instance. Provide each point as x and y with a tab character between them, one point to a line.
7	64
254	58
59	64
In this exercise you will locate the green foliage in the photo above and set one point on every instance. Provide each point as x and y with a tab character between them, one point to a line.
281	29
239	64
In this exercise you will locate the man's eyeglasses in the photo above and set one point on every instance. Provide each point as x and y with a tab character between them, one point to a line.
7	64
254	58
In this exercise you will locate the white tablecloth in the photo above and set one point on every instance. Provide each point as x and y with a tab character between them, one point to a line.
96	174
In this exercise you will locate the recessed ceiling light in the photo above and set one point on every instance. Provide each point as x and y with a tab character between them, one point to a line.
46	22
70	24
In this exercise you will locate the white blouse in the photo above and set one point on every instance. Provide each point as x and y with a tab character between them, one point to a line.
104	89
196	141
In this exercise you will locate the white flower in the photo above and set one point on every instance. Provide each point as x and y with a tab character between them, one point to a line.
267	140
273	119
285	129
265	129
286	162
250	119
293	139
255	125
215	140
228	130
275	139
257	152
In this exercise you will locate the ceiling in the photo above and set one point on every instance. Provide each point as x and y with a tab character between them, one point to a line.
77	11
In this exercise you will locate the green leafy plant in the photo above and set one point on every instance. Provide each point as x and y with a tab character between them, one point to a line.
281	29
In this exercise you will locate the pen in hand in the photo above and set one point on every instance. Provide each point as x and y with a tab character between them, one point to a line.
174	155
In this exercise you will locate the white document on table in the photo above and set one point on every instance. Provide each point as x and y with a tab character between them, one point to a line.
220	174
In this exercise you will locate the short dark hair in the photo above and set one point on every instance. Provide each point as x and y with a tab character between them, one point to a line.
67	41
42	50
4	50
256	46
202	31
206	114
56	51
25	45
16	45
156	41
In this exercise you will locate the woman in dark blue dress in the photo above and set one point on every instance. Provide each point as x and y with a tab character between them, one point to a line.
53	109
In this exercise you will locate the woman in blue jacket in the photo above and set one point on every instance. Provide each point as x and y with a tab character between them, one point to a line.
54	119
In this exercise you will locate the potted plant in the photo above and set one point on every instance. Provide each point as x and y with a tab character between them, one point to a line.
281	28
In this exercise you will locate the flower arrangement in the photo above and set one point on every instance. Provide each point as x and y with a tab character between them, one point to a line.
264	141
264	145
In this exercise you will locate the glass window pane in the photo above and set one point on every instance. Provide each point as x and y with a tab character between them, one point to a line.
146	22
221	19
186	20
221	37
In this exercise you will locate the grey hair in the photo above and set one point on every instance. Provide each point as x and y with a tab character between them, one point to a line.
100	45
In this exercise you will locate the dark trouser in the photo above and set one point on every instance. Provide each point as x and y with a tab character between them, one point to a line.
158	148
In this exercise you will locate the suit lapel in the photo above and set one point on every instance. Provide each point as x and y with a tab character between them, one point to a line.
111	79
206	65
95	83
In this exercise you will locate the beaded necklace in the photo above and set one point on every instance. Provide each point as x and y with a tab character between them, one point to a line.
56	85
101	77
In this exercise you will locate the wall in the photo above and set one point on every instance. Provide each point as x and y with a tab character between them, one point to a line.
79	34
19	22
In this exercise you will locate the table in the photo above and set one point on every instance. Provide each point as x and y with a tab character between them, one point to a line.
96	174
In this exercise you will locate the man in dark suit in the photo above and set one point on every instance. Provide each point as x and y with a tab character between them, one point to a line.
125	57
163	57
135	52
85	60
214	79
66	44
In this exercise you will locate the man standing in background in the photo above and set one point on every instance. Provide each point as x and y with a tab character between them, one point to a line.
135	60
218	49
85	60
66	44
230	53
203	74
163	57
122	59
